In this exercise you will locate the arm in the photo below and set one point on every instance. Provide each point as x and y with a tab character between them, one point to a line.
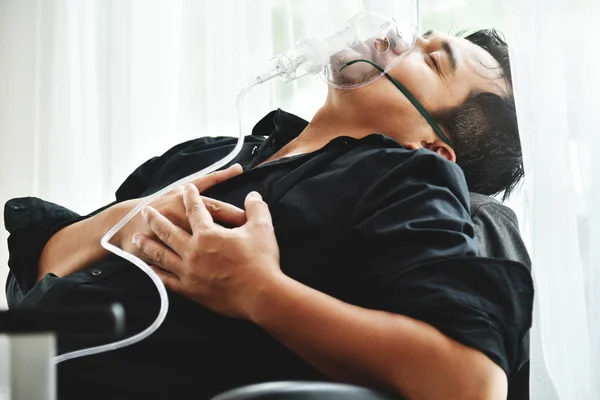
374	348
33	222
78	245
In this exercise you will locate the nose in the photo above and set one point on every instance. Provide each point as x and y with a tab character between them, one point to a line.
426	44
421	42
398	43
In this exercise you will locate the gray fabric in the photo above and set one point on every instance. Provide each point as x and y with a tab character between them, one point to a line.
497	230
497	235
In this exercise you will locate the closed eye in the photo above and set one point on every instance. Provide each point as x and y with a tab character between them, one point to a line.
434	63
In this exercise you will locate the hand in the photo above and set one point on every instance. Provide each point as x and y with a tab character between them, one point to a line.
223	269
171	206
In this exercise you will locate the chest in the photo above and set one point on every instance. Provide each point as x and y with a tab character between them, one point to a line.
312	218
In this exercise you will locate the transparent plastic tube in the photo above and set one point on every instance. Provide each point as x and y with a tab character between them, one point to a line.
164	299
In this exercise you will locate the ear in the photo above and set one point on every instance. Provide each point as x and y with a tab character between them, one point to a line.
440	147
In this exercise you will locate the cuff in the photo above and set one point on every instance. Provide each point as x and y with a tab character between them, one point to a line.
482	303
31	222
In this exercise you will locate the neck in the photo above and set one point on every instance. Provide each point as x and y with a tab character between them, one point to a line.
331	120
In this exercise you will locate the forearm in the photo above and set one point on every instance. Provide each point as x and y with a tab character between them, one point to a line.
374	348
77	246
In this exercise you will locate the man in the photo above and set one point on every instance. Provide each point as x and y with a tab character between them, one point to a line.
373	277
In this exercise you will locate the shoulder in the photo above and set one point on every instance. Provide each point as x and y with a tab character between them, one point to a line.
419	185
388	154
385	162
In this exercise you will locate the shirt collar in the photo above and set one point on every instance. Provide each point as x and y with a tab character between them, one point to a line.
281	128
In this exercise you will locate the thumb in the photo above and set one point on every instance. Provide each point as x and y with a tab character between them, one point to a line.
257	211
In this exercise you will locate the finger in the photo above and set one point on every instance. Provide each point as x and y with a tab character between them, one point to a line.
171	281
216	177
196	211
159	254
169	233
225	212
257	211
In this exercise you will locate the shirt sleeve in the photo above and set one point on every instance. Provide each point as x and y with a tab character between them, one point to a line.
31	222
416	243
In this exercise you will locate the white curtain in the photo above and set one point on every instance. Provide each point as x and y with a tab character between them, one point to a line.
90	89
555	67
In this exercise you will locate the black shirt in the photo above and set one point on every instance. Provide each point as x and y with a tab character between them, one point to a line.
364	220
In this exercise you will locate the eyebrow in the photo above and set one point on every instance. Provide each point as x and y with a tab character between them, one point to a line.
448	49
451	53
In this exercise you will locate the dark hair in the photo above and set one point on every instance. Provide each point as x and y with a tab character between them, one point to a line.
484	131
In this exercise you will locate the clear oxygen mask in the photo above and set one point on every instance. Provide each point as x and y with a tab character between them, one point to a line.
376	39
367	36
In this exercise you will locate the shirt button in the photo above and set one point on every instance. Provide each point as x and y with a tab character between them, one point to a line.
96	272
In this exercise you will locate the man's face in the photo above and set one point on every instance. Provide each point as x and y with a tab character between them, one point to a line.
441	72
